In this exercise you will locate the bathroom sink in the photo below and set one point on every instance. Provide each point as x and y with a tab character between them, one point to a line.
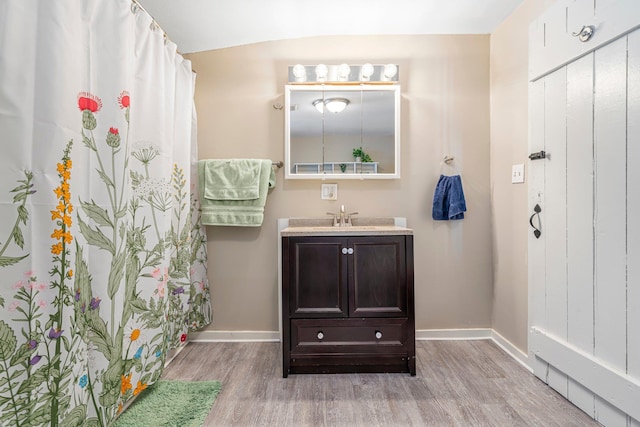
351	228
361	227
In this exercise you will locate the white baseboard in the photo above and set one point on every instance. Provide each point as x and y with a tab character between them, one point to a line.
173	354
513	351
476	334
234	336
421	335
453	334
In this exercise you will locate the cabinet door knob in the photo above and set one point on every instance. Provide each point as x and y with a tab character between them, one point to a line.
320	335
344	251
378	335
350	251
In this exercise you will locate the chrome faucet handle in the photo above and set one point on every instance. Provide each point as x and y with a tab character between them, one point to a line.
349	217
335	218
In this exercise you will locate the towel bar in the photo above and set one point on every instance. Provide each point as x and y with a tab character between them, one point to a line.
278	164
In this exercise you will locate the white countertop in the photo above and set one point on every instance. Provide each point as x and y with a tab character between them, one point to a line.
356	230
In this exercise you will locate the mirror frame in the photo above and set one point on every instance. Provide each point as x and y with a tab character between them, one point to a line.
322	88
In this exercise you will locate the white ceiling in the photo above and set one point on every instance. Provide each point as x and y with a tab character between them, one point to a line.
199	25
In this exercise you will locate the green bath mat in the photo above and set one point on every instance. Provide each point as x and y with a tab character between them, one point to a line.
171	404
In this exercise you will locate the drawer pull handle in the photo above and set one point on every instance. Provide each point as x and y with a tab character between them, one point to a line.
344	251
378	335
350	251
320	335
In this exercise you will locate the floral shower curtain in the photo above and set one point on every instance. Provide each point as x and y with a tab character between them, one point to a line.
102	255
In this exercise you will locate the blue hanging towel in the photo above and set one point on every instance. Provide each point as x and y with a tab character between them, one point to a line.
448	199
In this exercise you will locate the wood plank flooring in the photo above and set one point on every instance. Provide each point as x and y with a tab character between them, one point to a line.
459	383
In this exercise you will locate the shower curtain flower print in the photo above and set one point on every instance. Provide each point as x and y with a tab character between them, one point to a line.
58	370
102	251
133	357
51	350
86	343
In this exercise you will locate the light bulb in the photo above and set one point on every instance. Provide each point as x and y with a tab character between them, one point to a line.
366	71
390	70
299	73
321	72
343	72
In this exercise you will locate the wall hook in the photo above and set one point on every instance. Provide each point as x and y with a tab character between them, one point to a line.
278	106
584	34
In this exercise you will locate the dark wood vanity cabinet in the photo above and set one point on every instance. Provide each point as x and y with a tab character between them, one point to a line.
347	304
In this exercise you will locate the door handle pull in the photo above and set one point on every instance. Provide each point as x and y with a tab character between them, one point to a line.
536	212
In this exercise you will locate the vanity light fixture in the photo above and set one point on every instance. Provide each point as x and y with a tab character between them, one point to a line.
343	74
334	105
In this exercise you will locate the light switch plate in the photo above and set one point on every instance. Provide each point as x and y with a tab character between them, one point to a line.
329	192
517	174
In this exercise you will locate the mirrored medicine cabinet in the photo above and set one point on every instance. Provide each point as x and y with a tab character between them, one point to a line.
342	131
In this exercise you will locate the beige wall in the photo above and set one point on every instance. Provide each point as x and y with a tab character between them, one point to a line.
445	110
509	143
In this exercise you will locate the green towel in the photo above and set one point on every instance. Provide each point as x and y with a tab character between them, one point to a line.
232	179
247	213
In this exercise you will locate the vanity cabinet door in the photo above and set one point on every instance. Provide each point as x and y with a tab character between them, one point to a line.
347	304
317	277
377	277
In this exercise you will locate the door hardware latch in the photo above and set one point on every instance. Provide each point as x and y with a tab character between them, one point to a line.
539	155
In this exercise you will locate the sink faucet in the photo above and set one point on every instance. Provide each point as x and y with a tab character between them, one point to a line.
342	219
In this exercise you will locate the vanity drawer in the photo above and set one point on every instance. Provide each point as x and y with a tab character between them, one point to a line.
348	335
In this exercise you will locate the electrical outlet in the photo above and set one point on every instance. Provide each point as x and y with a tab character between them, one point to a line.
329	192
517	174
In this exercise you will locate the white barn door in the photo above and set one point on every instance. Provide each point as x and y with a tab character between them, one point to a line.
584	197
